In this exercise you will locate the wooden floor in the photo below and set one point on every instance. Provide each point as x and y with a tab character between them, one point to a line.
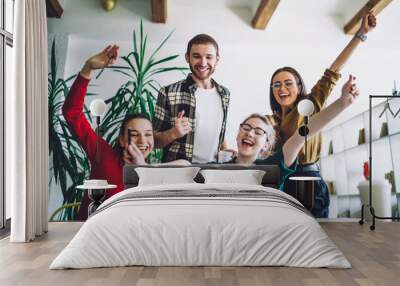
374	255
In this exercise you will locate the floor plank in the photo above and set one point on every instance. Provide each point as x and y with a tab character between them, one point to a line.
374	255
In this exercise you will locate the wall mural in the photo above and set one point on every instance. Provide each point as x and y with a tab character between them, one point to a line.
137	91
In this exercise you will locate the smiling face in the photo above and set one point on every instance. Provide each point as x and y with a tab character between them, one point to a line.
285	89
202	60
252	138
141	135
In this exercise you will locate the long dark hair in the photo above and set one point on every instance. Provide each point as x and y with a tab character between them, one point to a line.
276	108
117	147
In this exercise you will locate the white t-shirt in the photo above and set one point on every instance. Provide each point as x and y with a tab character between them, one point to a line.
208	123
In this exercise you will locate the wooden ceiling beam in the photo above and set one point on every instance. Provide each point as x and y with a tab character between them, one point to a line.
264	13
375	6
54	9
159	11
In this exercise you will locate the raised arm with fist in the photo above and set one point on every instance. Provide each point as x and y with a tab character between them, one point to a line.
104	59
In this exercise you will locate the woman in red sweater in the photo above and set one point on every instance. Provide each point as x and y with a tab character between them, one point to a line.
106	162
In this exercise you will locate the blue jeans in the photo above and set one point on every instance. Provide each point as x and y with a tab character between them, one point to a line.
321	194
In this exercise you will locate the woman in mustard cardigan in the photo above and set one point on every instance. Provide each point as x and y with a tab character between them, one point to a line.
287	88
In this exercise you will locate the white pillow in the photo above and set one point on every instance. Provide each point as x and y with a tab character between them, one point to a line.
166	176
249	177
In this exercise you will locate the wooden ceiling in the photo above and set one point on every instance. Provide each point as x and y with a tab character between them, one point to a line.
375	6
263	15
159	11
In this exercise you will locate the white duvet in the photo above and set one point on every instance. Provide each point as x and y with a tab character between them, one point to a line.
183	231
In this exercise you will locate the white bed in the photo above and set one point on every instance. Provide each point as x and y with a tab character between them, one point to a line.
201	224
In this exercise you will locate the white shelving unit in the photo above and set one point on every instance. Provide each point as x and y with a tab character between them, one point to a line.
344	167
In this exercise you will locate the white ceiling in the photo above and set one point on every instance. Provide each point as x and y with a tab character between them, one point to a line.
339	9
328	7
227	16
344	8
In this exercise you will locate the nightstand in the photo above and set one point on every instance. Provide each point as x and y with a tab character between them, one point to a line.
96	194
305	190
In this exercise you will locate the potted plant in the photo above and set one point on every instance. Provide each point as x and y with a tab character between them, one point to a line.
69	164
139	93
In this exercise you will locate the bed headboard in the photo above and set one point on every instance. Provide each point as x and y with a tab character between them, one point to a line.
270	179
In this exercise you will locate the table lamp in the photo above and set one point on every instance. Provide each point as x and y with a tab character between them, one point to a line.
97	108
305	184
305	108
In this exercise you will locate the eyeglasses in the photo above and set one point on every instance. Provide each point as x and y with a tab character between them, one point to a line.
257	130
287	83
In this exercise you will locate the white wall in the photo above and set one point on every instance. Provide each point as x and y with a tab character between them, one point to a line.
307	37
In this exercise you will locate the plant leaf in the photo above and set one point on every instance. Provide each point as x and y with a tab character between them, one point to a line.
150	104
162	44
153	64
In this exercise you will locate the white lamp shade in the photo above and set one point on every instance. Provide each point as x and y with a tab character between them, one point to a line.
98	107
305	107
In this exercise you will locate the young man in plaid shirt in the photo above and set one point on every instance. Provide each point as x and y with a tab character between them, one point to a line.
190	115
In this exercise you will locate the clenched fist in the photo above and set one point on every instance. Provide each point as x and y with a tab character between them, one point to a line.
350	91
368	23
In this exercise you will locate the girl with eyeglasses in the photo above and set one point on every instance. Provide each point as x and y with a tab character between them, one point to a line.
287	88
257	135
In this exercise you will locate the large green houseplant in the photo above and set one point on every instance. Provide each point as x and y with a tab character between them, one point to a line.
140	91
138	94
69	163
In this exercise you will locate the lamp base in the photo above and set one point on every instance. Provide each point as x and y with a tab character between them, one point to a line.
96	196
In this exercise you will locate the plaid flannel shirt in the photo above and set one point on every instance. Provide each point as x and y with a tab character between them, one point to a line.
177	97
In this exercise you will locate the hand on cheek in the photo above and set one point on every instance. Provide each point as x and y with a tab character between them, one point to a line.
136	155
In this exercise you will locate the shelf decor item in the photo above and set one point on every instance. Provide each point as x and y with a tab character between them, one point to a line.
361	136
330	148
331	188
366	171
390	177
384	130
395	92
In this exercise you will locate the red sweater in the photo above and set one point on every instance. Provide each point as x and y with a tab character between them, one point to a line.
109	165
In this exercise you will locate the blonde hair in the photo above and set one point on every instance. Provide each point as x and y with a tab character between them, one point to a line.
271	132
